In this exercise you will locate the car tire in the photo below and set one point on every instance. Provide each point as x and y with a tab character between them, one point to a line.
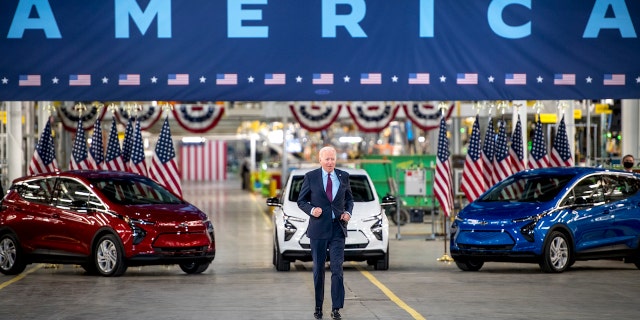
556	256
11	257
469	264
383	264
108	256
194	267
404	216
281	263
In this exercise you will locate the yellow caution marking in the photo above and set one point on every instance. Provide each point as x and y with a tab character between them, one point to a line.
19	277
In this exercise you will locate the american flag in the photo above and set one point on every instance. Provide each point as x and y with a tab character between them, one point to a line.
226	79
205	161
516	152
137	163
487	154
614	79
322	78
275	78
472	180
180	79
566	79
419	78
501	163
29	80
560	152
467	78
79	158
538	157
371	78
515	78
96	151
442	182
129	80
113	160
44	157
79	79
127	143
163	164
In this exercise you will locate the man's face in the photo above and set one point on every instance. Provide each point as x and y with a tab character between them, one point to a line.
328	160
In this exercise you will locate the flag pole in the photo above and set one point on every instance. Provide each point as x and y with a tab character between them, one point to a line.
449	203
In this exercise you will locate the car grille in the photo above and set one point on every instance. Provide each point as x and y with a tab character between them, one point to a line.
486	248
346	247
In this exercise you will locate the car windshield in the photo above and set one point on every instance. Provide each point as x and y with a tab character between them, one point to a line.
528	188
134	191
359	187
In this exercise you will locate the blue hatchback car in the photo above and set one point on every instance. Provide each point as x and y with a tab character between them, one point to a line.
552	217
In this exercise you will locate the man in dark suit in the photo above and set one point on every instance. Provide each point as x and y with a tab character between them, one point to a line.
326	197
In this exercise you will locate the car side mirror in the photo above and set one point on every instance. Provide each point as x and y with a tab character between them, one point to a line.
388	200
273	202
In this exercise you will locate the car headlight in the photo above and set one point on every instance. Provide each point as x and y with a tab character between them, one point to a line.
137	232
289	228
528	230
209	225
376	227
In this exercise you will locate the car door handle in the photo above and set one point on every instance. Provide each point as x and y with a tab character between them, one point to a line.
55	215
606	211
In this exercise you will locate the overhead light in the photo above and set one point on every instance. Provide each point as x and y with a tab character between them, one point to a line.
192	140
349	139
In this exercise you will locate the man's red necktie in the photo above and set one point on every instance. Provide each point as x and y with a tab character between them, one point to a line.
329	188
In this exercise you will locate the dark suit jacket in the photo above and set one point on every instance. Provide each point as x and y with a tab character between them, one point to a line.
312	195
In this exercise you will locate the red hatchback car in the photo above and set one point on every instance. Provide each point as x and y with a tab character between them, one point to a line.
104	221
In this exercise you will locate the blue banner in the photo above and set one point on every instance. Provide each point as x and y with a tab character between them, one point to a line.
339	50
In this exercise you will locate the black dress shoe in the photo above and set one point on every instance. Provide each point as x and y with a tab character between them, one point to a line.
335	314
318	313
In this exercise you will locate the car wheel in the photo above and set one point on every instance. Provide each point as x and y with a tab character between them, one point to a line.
469	264
556	255
281	263
194	267
404	216
109	256
11	259
383	264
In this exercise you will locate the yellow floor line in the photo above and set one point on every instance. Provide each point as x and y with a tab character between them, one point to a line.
19	277
266	217
390	294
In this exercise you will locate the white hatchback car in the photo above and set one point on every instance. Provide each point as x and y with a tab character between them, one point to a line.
368	229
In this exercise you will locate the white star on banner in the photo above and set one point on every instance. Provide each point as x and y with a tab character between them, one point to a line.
5	80
55	80
347	79
251	78
105	80
539	78
491	78
638	80
298	79
203	79
443	78
394	78
589	79
154	79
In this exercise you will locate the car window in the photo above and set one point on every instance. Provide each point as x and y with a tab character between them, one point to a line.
360	188
528	188
37	191
136	191
588	191
619	187
71	194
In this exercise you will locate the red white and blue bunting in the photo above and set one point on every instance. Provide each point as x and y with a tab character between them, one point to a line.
147	114
315	116
69	116
425	115
373	116
197	118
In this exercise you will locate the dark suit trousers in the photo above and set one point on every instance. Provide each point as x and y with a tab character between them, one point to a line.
336	255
